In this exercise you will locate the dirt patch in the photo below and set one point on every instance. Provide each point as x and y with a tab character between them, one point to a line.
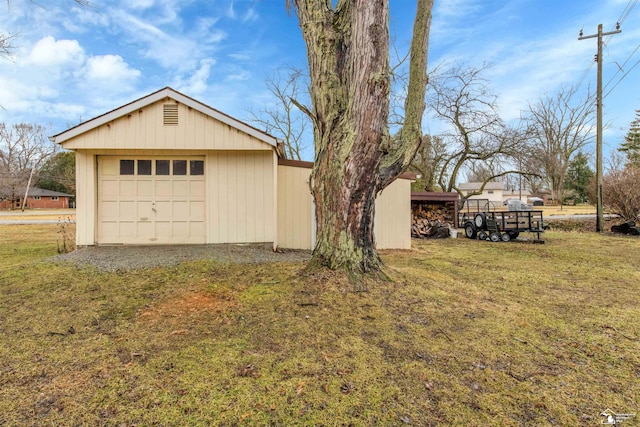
187	305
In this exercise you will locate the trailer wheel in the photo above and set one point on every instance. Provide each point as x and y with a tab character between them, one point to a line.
480	220
506	237
495	236
470	231
513	234
482	235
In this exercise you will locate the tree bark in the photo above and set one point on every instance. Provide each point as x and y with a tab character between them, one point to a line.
348	54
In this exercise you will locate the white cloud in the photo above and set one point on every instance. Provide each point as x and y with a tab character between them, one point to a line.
110	67
241	75
49	52
170	48
197	83
141	4
250	16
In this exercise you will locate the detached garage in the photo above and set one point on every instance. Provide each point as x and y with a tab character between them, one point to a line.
167	169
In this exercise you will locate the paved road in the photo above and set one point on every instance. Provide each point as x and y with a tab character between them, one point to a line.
30	221
17	217
39	212
577	217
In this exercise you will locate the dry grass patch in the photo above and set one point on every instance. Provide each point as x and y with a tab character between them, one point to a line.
467	333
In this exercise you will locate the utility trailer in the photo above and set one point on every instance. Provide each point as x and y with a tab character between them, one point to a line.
499	225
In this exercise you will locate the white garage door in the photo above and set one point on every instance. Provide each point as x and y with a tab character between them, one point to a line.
151	200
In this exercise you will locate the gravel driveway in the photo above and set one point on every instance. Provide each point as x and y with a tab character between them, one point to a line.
125	258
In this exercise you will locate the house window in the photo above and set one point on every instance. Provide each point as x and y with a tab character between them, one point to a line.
162	167
196	167
170	114
144	167
54	198
36	197
490	191
126	167
179	167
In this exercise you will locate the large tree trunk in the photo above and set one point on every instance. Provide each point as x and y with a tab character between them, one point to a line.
348	53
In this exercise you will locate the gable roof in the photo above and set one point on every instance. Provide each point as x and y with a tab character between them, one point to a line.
161	94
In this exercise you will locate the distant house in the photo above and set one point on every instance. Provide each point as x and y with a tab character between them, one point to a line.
492	191
39	198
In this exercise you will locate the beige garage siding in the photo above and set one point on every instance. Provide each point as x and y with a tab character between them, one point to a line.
295	220
145	129
86	181
241	197
393	216
294	208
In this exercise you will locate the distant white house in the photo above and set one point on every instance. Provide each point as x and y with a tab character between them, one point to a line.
493	191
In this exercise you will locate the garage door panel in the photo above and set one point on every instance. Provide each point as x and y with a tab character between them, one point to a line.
127	210
145	188
163	229
196	210
196	188
109	188
197	228
163	188
144	209
109	166
127	228
180	229
127	188
110	228
145	230
180	210
180	189
109	209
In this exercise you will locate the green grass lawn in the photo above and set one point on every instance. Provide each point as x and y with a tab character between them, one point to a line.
468	333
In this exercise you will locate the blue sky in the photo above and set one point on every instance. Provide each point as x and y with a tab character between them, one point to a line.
72	63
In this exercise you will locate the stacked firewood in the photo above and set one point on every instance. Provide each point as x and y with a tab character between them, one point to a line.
429	222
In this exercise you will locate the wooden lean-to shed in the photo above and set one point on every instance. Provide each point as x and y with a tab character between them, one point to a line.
168	169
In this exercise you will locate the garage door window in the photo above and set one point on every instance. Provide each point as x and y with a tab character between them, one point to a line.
179	167
126	167
162	167
196	167
144	167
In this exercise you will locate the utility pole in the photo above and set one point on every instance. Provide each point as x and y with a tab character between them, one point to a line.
600	216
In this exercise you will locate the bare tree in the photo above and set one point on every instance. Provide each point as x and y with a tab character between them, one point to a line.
559	127
5	45
475	134
23	149
621	189
428	162
348	55
283	119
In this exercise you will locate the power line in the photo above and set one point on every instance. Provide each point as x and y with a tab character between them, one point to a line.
623	16
622	78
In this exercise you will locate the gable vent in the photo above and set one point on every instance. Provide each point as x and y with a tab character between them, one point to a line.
170	114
